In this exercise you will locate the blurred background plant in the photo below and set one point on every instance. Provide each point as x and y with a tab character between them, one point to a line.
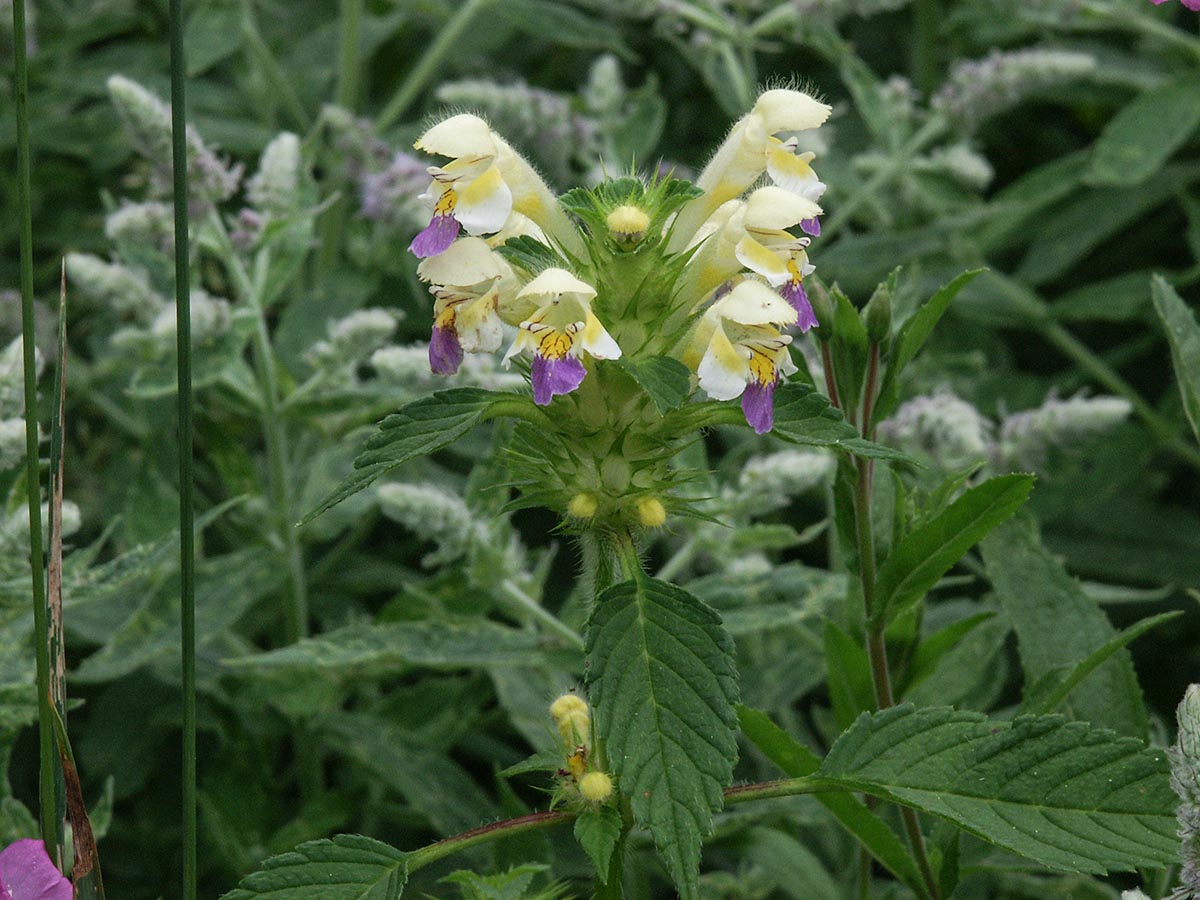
1054	142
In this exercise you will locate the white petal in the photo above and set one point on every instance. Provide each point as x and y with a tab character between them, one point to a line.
523	341
465	262
556	281
484	205
785	110
597	341
774	209
461	135
753	303
759	259
724	370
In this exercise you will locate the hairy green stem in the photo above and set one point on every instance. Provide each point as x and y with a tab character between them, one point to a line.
540	614
47	759
830	381
187	541
428	64
742	793
876	640
280	481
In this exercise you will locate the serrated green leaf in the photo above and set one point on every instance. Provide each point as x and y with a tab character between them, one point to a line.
598	829
663	684
912	337
346	867
365	650
1064	794
1053	688
529	253
795	760
1184	335
1058	625
666	380
804	416
422	427
1144	135
933	547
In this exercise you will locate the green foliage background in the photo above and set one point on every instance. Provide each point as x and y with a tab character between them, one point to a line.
429	673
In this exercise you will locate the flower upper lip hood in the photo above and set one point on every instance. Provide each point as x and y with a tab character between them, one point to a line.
558	333
751	234
744	353
483	184
746	152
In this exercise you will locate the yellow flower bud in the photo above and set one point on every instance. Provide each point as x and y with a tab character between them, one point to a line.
628	224
582	506
566	705
650	512
596	787
575	728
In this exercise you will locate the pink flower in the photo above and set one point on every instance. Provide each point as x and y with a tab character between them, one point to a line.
26	873
1193	5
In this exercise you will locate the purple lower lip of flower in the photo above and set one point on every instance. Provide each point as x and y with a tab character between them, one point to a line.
793	292
758	403
811	226
445	354
435	237
552	377
1193	5
26	873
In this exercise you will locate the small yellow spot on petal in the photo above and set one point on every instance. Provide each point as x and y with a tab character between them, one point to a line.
596	787
650	512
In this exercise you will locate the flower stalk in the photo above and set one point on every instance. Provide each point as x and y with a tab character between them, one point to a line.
47	817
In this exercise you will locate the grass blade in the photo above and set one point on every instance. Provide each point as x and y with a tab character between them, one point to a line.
47	762
183	343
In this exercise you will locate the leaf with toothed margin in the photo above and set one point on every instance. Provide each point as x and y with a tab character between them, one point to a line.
663	684
1067	795
805	416
424	426
346	867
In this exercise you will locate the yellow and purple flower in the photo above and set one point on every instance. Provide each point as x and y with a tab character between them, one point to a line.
744	352
465	282
768	249
753	234
751	149
468	192
558	332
